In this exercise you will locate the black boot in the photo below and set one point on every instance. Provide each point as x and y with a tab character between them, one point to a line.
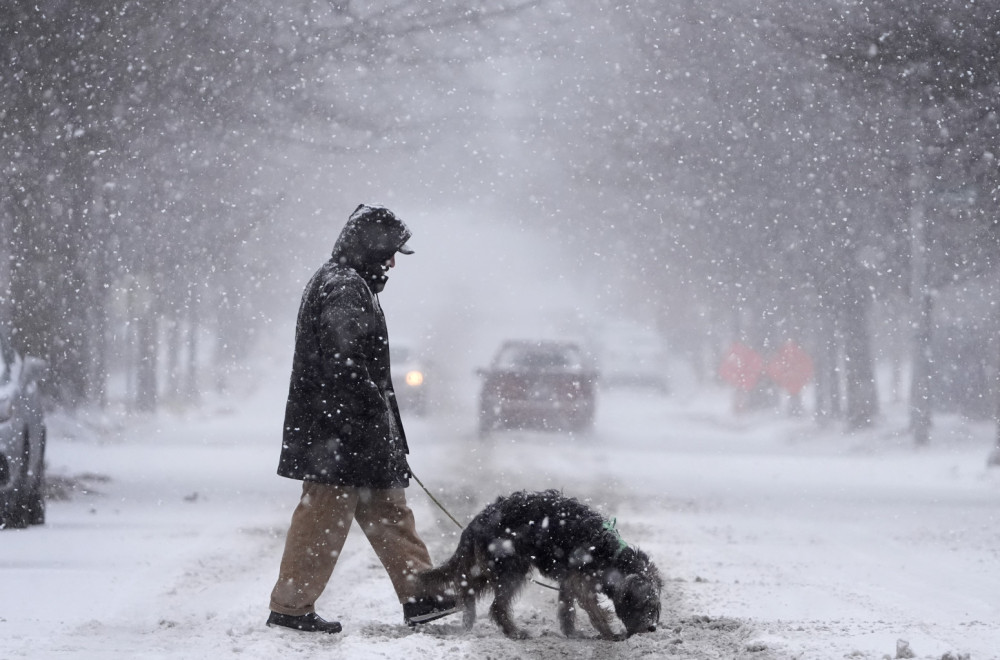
310	622
427	608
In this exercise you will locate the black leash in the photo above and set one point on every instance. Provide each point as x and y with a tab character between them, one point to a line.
435	500
460	526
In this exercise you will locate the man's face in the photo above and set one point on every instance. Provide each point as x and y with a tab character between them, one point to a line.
387	264
379	275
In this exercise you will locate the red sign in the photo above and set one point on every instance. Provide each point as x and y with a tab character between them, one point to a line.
741	366
791	368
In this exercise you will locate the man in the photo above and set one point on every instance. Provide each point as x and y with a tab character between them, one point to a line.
343	436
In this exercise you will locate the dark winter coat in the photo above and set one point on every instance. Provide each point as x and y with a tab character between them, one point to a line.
342	423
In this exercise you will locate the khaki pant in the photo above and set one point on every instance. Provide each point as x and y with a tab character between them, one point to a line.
317	533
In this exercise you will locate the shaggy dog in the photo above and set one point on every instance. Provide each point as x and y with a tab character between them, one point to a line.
567	542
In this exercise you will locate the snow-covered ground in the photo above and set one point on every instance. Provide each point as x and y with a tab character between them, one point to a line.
777	539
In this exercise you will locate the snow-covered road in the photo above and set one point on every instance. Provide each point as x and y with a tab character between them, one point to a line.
776	539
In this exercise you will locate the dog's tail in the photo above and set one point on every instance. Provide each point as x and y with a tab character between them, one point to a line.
449	576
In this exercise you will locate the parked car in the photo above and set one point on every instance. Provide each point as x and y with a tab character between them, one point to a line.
548	385
410	378
22	439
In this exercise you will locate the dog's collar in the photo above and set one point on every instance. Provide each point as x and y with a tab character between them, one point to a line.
609	525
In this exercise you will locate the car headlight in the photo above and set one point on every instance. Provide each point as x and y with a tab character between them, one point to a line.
6	409
414	378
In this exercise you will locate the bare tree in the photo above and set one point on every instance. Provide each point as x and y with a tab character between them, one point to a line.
800	152
928	74
138	127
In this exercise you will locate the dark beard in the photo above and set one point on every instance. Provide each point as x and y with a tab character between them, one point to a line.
375	277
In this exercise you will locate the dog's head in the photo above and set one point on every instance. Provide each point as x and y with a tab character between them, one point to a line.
636	591
638	603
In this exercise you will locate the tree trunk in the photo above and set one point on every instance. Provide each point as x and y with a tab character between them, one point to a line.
71	307
192	394
97	391
6	271
920	385
99	279
994	458
145	381
66	310
826	360
861	390
174	350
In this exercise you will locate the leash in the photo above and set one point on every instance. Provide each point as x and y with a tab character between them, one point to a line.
435	500
460	526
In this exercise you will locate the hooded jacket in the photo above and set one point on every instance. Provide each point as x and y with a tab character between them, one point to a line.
342	424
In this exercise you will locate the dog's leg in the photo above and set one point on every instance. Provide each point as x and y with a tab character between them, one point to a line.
586	594
507	588
469	612
471	589
567	608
